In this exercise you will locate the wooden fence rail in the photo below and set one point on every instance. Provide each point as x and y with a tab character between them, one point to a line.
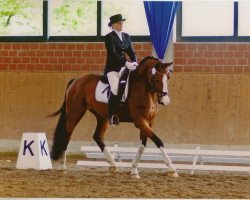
183	159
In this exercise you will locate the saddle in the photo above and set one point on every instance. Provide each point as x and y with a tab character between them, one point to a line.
103	89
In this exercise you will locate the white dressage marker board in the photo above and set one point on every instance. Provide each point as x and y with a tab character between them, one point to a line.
188	157
34	152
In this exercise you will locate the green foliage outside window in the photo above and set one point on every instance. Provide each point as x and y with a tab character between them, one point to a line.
68	17
21	17
73	17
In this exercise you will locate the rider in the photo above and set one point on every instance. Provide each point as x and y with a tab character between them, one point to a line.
117	44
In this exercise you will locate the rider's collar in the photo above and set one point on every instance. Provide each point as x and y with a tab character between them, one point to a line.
119	33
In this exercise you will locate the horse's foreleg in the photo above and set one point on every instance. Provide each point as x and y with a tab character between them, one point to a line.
171	169
134	173
143	125
102	125
110	158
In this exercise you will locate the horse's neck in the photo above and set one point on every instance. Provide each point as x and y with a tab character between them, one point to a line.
139	83
141	73
141	88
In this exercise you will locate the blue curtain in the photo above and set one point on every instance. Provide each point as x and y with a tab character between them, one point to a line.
160	17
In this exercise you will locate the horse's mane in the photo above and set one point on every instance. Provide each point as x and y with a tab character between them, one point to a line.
147	59
141	68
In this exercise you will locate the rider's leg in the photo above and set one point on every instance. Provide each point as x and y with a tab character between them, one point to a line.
113	78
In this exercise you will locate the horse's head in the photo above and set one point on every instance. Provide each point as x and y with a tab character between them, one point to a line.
156	77
160	74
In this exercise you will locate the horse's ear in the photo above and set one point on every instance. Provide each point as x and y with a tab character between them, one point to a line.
165	65
158	66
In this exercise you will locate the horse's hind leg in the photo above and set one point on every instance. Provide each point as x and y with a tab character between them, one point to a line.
102	125
62	160
134	173
73	118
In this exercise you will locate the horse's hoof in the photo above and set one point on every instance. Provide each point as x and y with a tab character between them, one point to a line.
173	174
135	176
61	171
113	170
63	167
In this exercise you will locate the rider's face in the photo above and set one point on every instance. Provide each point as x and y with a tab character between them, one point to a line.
118	26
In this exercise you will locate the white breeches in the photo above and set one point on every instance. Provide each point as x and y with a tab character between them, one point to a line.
114	78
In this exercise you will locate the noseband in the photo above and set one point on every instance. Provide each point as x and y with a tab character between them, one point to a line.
151	83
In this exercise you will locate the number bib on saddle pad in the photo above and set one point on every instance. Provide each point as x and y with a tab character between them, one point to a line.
103	89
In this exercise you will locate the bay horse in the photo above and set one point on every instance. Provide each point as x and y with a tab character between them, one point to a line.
148	85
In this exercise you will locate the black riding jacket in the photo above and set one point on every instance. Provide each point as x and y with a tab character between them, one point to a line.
116	50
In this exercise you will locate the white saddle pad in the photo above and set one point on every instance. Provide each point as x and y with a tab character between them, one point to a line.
101	92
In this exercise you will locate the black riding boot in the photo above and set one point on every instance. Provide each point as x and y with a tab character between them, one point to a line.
113	119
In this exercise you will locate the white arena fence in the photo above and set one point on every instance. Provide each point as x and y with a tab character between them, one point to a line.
183	159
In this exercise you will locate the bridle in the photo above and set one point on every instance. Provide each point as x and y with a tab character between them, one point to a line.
151	83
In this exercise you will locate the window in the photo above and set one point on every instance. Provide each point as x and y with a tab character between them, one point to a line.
21	17
68	20
132	11
73	18
215	21
213	18
244	18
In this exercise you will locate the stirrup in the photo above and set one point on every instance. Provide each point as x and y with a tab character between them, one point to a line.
114	120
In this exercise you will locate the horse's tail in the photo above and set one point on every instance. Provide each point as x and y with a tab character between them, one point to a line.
61	137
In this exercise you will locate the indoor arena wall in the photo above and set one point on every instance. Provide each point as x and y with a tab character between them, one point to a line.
209	91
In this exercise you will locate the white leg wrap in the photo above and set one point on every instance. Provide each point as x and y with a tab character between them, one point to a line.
138	156
136	160
109	157
167	160
63	160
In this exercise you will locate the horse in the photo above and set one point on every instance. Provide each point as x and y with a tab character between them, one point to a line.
148	85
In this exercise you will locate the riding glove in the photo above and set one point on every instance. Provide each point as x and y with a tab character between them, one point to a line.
130	66
135	64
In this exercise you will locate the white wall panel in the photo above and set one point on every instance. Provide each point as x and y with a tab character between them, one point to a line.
244	18
203	18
